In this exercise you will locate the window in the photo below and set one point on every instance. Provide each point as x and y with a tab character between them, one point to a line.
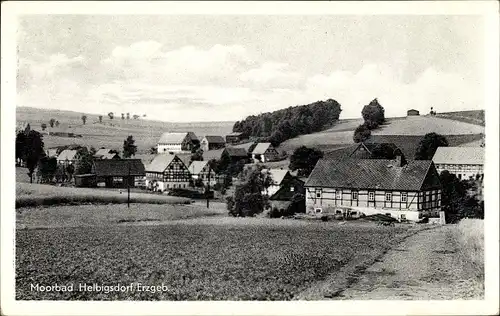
402	216
318	193
388	196
292	189
354	195
404	196
371	196
338	195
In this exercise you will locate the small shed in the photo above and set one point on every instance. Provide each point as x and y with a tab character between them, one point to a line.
118	172
412	112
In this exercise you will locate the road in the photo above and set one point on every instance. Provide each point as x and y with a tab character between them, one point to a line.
422	267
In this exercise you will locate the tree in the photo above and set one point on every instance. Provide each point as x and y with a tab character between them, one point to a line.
248	199
153	150
197	155
100	118
385	151
20	146
304	159
57	123
111	115
47	168
123	116
128	116
84	119
129	147
70	170
85	161
32	151
44	126
136	117
51	122
361	133
456	202
373	114
428	146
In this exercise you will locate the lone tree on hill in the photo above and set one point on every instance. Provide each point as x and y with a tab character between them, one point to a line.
111	115
361	133
44	126
428	146
84	119
57	123
129	147
304	159
373	113
51	122
123	116
128	116
100	118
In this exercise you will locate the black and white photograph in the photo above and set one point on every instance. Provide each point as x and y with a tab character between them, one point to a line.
282	152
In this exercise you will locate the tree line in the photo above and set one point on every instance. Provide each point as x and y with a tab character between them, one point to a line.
278	126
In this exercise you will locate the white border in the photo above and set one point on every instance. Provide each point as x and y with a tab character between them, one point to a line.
489	9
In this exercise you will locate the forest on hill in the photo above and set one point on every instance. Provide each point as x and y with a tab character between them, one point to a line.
278	126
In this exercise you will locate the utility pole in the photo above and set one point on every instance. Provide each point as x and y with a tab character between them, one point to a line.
128	185
208	186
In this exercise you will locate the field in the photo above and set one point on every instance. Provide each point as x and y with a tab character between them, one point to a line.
216	258
341	134
111	133
41	194
472	117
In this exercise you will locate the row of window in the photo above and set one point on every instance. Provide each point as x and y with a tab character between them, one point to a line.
463	167
371	195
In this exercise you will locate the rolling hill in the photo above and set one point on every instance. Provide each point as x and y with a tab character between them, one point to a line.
111	133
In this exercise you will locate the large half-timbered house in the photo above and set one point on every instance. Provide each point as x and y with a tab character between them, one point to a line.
404	190
167	171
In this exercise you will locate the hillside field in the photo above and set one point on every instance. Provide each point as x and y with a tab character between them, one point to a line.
111	133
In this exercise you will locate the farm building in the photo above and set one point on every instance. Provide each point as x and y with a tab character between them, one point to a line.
177	142
68	157
363	151
118	172
404	190
264	152
236	154
234	137
282	179
168	171
412	112
105	153
200	170
211	142
464	162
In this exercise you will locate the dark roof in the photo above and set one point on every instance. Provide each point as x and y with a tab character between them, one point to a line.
236	152
215	139
380	174
118	167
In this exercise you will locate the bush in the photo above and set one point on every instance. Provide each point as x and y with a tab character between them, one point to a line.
361	133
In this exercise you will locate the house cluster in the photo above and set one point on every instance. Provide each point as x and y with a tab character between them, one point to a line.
350	183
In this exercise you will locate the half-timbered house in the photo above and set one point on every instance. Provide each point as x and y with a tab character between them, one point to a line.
168	171
404	190
264	152
201	170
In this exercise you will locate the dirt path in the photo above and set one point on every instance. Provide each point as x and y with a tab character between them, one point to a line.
422	267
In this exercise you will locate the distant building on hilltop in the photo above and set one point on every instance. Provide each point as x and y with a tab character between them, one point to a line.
412	112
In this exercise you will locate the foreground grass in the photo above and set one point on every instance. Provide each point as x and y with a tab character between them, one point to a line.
196	260
105	215
468	236
40	194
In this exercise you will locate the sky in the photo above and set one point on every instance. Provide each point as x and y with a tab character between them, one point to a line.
183	68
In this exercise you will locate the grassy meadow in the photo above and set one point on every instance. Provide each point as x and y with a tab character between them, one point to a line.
468	235
216	258
41	194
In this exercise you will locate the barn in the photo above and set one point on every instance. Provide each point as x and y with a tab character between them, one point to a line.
118	172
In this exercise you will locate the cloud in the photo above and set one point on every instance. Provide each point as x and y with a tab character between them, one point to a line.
272	75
